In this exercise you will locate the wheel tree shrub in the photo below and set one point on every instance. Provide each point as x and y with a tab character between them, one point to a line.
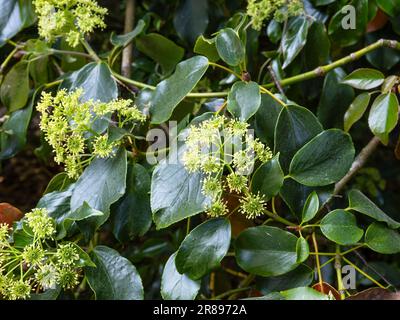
199	149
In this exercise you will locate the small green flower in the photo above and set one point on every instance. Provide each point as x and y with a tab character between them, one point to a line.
67	278
41	224
19	290
33	255
67	255
4	234
47	276
252	206
102	148
212	187
217	209
236	183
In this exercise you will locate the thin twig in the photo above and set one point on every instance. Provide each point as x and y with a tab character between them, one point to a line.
276	81
127	52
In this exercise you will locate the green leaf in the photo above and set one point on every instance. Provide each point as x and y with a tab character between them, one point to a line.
161	50
96	81
265	119
124	39
311	207
173	202
274	31
331	109
84	258
268	178
176	286
244	99
266	251
302	249
206	47
14	16
114	277
318	46
382	239
356	110
323	160
303	293
364	79
13	131
49	294
295	127
14	90
348	36
170	92
303	275
230	47
132	213
381	58
295	195
191	19
101	184
341	227
390	7
360	203
294	39
383	116
87	219
203	248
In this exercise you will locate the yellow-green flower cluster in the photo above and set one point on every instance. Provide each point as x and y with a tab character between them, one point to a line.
67	125
220	144
261	10
36	266
71	19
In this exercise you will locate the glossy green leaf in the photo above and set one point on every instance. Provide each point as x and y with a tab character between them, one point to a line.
114	278
230	47
348	26
101	184
266	251
206	47
295	127
390	7
294	39
381	58
356	110
162	50
318	46
170	92
302	249
364	79
303	275
96	81
124	39
244	99
331	109
303	293
191	19
176	286
360	203
311	207
383	116
382	239
295	195
175	194
14	90
341	227
14	16
389	83
132	213
323	160
268	178
203	248
274	31
265	119
14	130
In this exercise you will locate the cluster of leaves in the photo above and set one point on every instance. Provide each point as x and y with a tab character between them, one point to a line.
178	221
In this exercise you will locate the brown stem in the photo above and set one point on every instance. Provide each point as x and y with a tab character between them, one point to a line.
127	52
358	163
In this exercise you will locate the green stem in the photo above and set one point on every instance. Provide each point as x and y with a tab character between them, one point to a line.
338	267
321	281
279	218
364	273
7	60
72	53
90	50
321	71
230	292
